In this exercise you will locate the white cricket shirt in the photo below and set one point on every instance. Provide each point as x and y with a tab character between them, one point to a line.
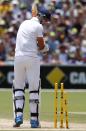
26	41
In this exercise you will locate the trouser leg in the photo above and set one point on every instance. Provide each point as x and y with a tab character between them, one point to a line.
18	87
33	75
18	102
34	104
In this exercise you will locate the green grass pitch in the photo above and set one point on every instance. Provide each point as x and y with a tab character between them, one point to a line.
76	105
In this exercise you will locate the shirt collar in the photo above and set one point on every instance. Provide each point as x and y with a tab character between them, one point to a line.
35	19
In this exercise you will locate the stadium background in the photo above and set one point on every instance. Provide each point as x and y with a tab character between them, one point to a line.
65	33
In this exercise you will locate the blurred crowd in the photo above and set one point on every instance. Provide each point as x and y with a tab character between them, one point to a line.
65	32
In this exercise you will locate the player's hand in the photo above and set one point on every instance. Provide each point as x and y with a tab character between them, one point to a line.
45	49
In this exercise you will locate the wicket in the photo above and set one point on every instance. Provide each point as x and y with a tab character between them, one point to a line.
63	107
55	104
66	111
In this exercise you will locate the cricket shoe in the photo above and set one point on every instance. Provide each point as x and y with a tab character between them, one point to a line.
18	121
35	124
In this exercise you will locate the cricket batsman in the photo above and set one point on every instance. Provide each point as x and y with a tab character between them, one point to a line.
29	43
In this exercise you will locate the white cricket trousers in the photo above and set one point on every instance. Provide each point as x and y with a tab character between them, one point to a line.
27	68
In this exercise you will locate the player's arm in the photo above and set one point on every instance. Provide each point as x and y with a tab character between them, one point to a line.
43	48
40	41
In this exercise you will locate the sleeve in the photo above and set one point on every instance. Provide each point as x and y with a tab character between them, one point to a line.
40	31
